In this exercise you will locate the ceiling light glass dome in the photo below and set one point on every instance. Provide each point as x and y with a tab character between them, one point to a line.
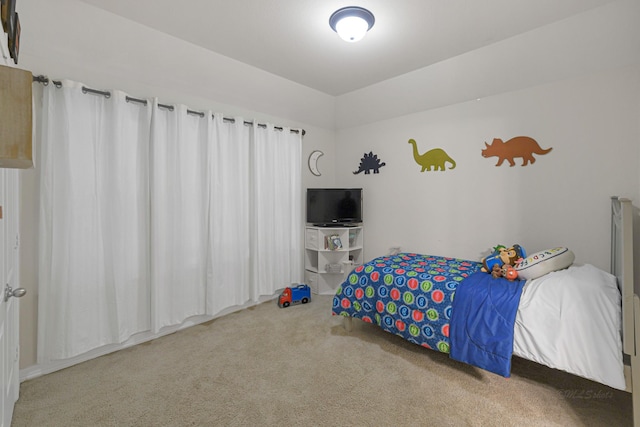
351	23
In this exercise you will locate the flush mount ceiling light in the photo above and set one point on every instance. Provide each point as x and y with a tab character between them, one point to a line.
351	23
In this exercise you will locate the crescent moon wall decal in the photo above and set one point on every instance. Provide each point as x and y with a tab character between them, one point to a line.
313	162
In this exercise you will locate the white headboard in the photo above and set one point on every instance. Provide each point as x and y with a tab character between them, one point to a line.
622	266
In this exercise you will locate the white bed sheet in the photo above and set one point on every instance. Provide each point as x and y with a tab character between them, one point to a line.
571	320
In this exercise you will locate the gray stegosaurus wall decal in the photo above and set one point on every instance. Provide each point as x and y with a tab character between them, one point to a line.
369	162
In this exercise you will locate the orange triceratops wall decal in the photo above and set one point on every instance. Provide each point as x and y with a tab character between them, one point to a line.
520	146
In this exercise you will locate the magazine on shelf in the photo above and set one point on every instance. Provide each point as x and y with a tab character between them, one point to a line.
333	242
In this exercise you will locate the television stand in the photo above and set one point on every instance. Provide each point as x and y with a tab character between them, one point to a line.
335	225
331	252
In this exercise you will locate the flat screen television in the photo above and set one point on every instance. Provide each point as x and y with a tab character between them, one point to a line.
334	206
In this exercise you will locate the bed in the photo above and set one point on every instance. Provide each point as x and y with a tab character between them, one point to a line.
578	319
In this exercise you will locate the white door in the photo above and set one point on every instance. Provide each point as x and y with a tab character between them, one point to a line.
9	346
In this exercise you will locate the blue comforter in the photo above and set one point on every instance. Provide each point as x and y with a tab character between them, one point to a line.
412	295
482	320
406	294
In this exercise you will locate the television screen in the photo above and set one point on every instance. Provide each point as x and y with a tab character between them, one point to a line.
331	206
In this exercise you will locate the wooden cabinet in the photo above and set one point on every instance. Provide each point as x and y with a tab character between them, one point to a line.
15	118
330	255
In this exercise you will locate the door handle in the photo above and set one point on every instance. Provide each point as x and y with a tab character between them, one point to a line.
10	292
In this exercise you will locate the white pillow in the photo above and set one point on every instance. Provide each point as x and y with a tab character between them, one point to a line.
544	262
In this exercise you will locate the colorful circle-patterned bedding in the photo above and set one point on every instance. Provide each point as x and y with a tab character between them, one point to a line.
406	294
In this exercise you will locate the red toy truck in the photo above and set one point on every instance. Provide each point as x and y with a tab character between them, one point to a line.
300	294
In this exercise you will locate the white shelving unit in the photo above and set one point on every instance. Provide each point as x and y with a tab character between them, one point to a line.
326	263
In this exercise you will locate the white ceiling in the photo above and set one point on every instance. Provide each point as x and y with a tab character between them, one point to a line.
292	38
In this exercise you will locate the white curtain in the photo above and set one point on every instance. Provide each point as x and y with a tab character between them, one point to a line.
179	214
94	217
229	278
150	215
277	207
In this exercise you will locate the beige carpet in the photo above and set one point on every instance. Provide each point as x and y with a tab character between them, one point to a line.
297	366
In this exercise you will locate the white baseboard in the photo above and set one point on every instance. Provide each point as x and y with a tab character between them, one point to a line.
38	370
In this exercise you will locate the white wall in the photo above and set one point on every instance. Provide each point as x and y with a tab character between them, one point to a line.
562	200
73	40
604	38
590	117
572	85
68	39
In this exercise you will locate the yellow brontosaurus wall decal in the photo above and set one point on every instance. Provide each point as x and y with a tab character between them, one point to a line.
435	158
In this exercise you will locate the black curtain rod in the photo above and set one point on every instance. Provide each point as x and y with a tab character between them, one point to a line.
96	92
45	81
